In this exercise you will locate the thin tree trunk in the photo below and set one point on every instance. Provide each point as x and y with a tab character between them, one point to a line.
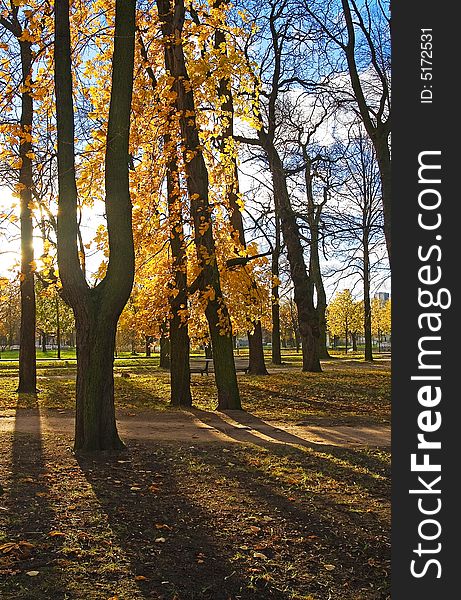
172	21
27	359
378	131
383	159
179	331
180	392
165	361
58	328
354	342
314	269
257	365
366	299
148	342
275	297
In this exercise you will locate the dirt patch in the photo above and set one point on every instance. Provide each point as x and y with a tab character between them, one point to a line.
201	426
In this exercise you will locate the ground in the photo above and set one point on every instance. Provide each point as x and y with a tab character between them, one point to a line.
279	502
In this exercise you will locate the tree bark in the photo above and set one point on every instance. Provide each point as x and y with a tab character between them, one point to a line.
257	365
165	361
97	309
95	427
275	297
27	358
180	392
313	216
148	342
354	342
366	299
171	17
303	286
58	328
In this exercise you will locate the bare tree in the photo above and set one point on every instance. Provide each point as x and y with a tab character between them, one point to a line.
273	42
356	223
360	31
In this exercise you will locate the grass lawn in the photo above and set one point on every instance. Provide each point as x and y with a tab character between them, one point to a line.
215	521
348	391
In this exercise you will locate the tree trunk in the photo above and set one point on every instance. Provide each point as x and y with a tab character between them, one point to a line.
383	159
275	297
44	342
165	361
354	342
148	342
303	286
208	351
172	21
255	340
257	365
180	393
366	299
313	215
378	131
27	358
179	330
95	427
180	365
58	328
97	309
321	308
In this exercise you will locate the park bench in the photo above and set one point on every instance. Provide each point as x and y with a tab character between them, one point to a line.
204	366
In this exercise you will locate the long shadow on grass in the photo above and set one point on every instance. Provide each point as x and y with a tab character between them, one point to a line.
278	438
174	550
31	515
357	545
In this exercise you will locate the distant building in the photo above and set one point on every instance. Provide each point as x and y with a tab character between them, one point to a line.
383	296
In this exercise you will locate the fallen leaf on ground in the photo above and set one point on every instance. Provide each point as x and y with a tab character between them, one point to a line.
32	573
252	529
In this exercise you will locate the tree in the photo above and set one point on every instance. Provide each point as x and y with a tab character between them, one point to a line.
10	312
172	15
96	309
177	346
257	364
357	222
274	42
54	317
11	22
361	34
380	319
344	316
